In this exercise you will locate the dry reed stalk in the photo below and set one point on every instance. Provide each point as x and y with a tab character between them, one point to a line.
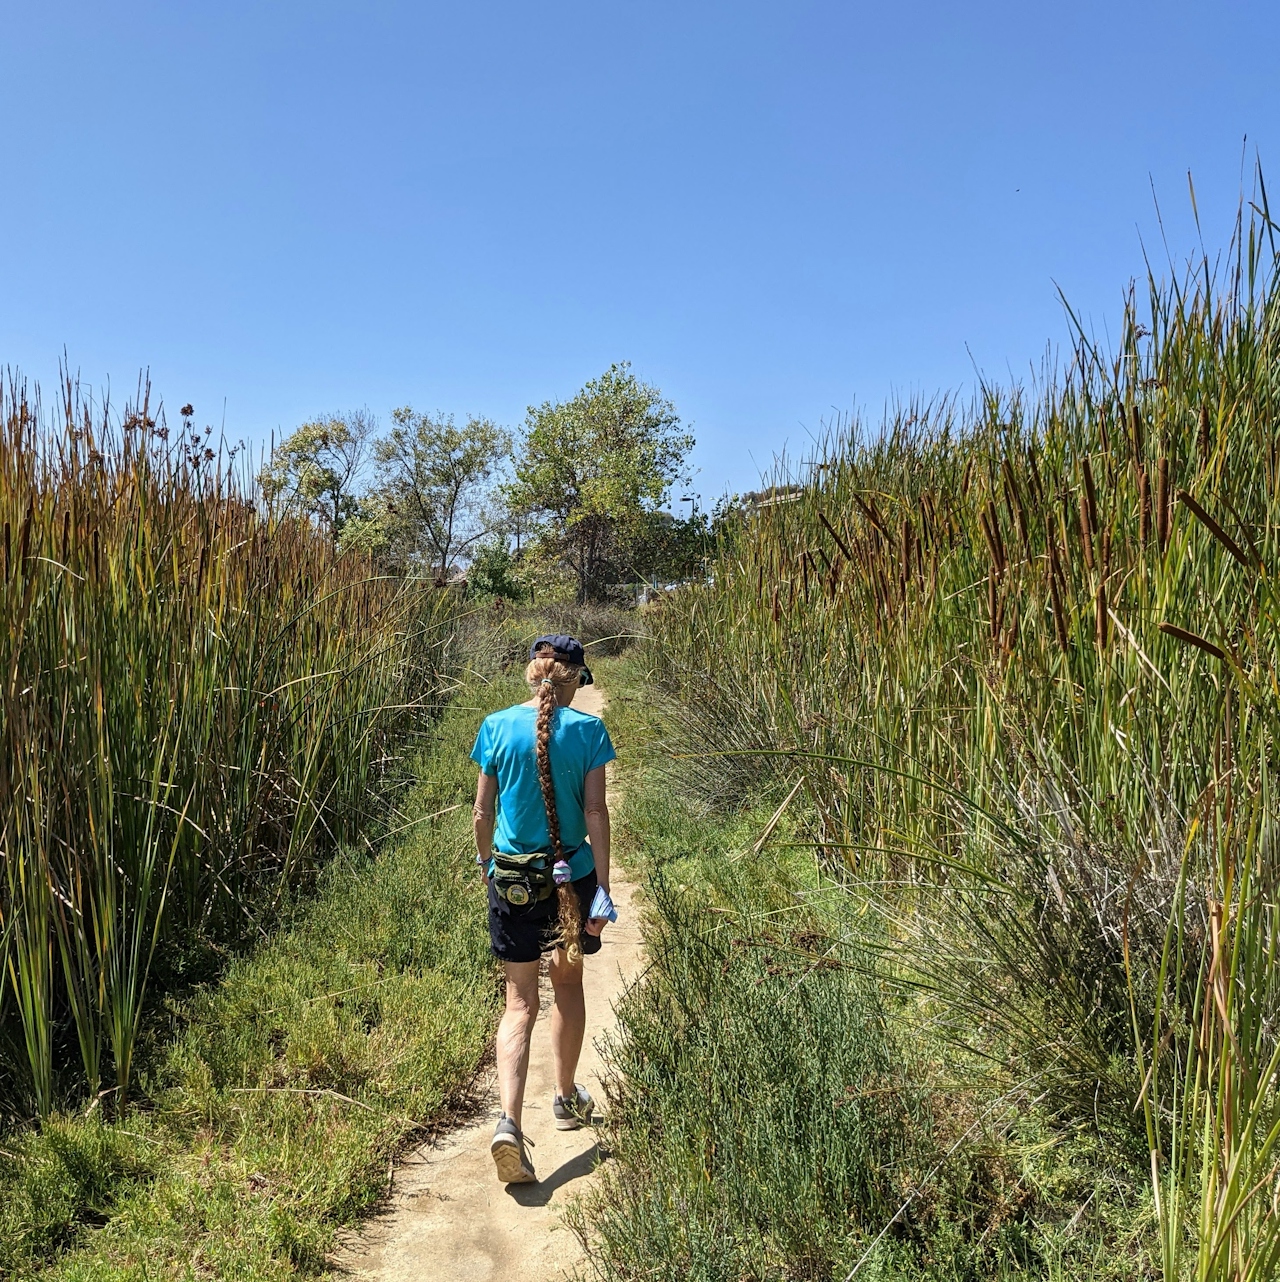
1035	478
885	592
872	513
1011	633
1059	617
987	537
928	520
1008	507
1139	439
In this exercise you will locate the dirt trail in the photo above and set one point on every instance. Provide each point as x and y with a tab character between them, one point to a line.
448	1218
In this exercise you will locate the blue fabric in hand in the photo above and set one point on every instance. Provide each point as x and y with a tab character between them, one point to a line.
602	906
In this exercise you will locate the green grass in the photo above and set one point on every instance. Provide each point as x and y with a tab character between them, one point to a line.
271	1117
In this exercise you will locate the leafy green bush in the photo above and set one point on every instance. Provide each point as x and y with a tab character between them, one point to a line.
764	1116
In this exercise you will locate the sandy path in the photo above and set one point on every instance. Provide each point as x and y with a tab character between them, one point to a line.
448	1219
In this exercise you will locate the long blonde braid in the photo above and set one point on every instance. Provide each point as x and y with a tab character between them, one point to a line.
545	673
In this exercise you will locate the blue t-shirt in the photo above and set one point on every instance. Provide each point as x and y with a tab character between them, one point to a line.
506	747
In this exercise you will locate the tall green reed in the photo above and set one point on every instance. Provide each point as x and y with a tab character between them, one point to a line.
198	696
1024	658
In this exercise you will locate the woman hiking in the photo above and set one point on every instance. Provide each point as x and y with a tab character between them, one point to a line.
542	841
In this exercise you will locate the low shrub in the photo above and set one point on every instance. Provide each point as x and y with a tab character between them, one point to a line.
785	1107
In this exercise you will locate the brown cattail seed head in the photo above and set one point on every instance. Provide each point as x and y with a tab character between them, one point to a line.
1091	494
1162	504
1055	593
1086	533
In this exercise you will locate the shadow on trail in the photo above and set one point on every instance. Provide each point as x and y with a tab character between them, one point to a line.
544	1190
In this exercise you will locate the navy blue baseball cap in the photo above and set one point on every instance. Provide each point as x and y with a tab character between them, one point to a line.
567	651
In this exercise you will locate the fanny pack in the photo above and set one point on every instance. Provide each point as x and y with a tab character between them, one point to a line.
523	879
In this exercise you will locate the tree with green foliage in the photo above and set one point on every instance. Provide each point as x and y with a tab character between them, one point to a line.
669	548
314	471
434	498
596	468
493	572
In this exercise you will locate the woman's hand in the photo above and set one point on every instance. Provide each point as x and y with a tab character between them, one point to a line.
596	924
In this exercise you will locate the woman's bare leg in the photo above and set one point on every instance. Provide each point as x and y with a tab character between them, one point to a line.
514	1033
568	1020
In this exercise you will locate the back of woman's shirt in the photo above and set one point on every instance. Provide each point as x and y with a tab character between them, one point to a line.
506	748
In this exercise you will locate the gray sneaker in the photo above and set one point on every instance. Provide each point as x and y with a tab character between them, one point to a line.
507	1151
573	1112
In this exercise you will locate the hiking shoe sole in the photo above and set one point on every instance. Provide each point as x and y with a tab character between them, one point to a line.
513	1166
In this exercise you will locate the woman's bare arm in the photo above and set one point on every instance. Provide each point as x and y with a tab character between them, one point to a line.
483	817
597	812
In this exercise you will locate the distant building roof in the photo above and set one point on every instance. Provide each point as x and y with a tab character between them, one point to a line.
767	498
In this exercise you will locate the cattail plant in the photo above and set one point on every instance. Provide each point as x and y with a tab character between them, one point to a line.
1099	817
197	701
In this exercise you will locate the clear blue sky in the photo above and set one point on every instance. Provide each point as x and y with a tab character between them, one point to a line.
774	210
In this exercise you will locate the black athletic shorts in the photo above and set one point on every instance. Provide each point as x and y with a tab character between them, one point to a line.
524	934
